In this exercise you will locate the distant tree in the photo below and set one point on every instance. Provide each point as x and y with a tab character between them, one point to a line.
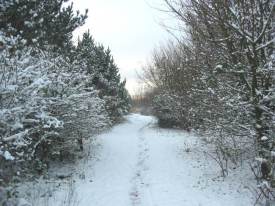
100	64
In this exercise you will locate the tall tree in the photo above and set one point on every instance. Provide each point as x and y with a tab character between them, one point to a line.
41	22
99	63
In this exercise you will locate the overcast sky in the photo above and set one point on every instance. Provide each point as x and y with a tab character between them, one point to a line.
129	27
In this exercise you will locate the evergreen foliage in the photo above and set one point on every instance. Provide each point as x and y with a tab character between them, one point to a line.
99	63
53	95
40	22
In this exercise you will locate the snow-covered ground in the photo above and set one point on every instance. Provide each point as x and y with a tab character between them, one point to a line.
139	164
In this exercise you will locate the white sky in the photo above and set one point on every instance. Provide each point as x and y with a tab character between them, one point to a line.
129	27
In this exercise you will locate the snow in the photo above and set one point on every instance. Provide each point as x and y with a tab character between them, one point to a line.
139	164
258	126
22	202
7	155
260	160
16	136
264	138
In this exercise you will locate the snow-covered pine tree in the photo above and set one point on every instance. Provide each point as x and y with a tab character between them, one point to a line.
41	22
86	50
47	105
105	75
125	98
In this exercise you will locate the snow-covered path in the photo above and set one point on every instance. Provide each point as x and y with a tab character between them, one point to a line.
142	165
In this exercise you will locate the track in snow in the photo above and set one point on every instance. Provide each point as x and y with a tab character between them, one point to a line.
142	165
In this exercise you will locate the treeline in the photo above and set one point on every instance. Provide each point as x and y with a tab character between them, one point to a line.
142	102
53	93
219	78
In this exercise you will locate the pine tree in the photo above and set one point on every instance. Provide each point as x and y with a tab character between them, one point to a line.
85	52
106	78
125	98
41	22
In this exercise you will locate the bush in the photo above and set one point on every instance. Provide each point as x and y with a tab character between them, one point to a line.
170	111
47	107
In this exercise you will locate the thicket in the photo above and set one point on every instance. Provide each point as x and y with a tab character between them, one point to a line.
53	93
218	78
